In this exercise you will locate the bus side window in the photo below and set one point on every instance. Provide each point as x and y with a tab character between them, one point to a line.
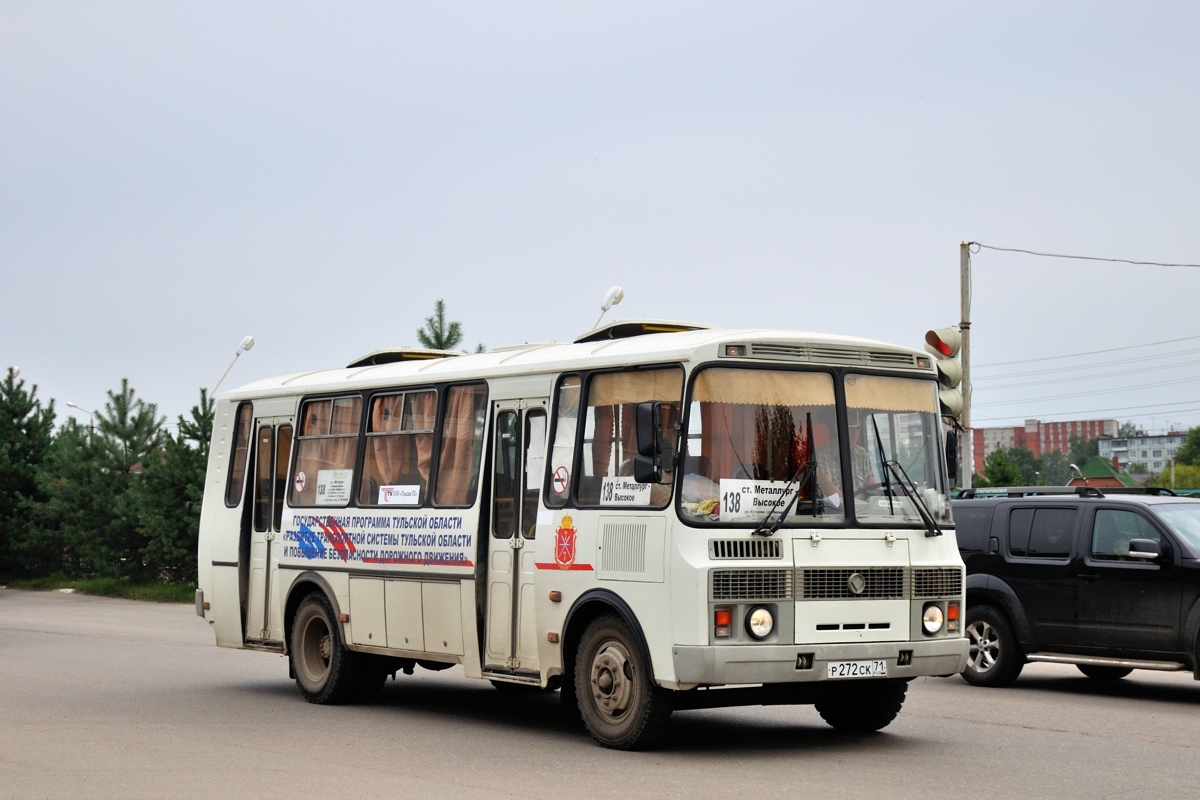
283	455
241	449
535	450
262	477
326	451
562	451
461	445
399	449
610	426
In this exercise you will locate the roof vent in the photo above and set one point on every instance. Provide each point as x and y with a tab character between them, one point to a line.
393	356
628	328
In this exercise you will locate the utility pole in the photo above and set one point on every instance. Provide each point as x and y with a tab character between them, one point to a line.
964	265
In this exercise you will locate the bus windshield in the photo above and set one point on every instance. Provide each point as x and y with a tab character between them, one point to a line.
894	432
760	442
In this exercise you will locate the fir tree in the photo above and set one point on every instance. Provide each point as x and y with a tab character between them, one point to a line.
26	434
67	521
170	494
88	523
438	334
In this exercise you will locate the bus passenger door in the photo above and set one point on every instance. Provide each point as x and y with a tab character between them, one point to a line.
518	458
272	452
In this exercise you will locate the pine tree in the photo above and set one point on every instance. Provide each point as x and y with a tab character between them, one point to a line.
26	434
67	521
999	470
88	523
1189	453
437	333
170	494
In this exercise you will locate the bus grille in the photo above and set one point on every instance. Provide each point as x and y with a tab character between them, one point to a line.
810	583
939	582
751	584
745	548
878	583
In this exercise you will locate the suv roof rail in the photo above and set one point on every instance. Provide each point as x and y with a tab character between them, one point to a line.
1078	491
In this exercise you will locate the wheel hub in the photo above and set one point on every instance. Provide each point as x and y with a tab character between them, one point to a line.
610	679
984	646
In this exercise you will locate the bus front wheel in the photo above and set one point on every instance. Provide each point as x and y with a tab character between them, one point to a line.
862	706
326	672
618	700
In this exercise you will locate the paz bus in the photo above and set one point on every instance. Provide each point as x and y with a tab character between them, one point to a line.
653	518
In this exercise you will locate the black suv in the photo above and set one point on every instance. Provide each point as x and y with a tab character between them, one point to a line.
1103	579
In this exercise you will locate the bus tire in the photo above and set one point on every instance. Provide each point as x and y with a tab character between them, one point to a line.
326	672
862	706
372	675
619	702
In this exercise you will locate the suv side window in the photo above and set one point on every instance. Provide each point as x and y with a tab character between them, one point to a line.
1041	532
1112	531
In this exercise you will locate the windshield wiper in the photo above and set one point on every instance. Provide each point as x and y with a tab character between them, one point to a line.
762	529
913	494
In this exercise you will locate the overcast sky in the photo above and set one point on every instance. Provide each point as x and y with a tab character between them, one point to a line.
175	176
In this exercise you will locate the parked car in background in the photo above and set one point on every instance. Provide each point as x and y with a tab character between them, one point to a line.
1107	580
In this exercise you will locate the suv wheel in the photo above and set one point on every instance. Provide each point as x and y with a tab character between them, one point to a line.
994	658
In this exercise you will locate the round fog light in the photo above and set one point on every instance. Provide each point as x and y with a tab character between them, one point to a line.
933	619
759	622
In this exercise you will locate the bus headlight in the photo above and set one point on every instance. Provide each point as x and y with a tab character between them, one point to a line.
760	622
932	618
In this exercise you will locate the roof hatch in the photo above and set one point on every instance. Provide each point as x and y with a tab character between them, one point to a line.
405	354
628	328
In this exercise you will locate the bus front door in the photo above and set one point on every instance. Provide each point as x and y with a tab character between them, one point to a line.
272	452
518	456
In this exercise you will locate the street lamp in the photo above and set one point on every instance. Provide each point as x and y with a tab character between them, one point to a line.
246	344
1077	471
91	419
614	295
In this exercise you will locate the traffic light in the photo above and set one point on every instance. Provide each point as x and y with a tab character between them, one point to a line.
944	344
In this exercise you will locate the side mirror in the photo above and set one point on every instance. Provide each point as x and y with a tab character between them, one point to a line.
649	429
1145	549
646	470
647	465
952	456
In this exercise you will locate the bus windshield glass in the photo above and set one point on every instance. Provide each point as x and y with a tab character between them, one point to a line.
894	431
760	442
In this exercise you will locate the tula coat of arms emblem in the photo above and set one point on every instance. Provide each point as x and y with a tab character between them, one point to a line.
564	543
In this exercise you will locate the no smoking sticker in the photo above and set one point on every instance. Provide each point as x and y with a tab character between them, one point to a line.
561	479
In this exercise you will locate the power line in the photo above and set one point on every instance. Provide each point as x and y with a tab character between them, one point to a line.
1075	378
1087	394
1159	407
1080	258
1089	353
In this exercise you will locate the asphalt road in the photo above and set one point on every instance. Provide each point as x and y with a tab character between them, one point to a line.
112	698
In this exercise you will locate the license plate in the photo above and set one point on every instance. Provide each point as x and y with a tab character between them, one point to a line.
858	669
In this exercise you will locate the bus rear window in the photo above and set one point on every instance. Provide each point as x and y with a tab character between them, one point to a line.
241	449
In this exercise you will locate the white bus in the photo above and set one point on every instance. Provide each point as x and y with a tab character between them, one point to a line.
655	517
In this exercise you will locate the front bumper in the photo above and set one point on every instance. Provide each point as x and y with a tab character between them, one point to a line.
752	664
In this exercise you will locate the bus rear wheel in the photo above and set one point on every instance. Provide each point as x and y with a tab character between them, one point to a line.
862	706
618	700
326	672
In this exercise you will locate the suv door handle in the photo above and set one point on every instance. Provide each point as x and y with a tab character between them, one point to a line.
1089	577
